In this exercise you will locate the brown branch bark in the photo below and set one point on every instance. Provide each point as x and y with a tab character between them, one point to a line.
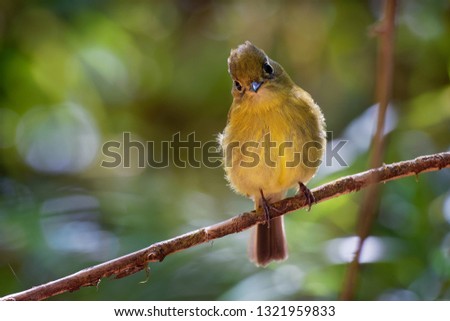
137	261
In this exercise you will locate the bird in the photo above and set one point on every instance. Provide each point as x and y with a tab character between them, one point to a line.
274	140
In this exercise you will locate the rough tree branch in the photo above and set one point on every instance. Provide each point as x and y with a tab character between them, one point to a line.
137	261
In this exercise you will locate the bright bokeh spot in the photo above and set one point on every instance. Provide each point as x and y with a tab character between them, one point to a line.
58	139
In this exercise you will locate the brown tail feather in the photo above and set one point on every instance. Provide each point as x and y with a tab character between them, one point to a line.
268	242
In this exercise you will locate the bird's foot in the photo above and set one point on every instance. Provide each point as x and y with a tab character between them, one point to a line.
267	207
310	199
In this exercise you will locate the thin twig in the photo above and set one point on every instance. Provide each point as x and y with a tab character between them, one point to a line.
137	261
368	209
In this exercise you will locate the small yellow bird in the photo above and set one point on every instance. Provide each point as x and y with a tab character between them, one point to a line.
273	141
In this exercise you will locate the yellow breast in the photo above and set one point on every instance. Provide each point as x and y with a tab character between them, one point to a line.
263	143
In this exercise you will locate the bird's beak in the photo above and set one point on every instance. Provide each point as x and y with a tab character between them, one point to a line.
254	86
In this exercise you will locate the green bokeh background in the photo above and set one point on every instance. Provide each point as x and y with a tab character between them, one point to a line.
77	74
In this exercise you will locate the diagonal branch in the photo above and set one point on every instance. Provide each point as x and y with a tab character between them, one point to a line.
137	261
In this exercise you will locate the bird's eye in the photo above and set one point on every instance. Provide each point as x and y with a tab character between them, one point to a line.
268	68
238	85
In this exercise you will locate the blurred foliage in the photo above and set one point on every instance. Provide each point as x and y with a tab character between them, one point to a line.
77	74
